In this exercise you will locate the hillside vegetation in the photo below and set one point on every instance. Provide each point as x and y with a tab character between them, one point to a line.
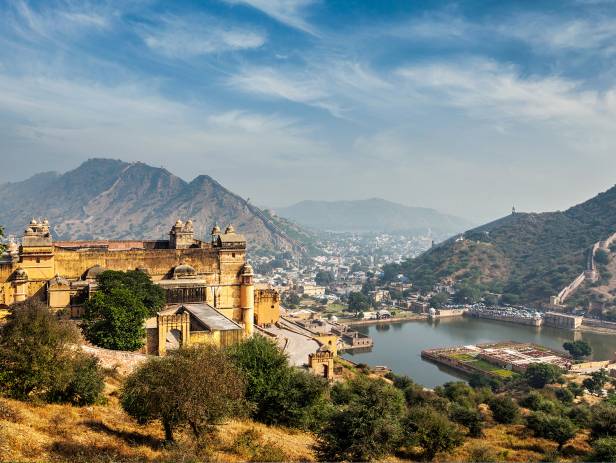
528	256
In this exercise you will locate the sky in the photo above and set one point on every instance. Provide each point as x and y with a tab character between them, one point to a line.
469	107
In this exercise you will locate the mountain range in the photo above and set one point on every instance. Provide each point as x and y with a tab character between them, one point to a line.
526	256
372	215
112	199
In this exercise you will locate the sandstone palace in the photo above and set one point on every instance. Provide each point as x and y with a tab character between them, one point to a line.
209	286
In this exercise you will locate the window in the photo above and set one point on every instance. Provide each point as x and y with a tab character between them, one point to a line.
38	260
232	254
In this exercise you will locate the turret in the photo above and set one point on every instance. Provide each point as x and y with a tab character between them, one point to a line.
182	235
247	298
215	233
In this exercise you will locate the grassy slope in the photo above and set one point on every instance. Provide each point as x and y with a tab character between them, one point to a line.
103	433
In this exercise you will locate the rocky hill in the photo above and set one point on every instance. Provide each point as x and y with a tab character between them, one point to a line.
526	256
112	199
372	215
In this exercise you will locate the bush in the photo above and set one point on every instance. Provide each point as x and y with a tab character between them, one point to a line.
555	428
538	403
365	424
564	395
469	417
537	375
478	381
86	384
432	431
596	381
280	394
249	446
603	421
9	413
197	387
38	359
604	449
504	409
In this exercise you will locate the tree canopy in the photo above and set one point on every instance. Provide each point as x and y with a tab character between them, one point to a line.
537	375
196	387
38	358
115	315
578	349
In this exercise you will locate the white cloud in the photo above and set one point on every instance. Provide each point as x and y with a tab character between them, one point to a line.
181	37
289	12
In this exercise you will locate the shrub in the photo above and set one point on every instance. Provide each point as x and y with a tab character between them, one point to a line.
38	358
87	382
564	395
197	387
555	428
458	392
603	421
538	403
365	424
469	417
604	449
432	431
537	375
596	381
9	413
478	381
504	409
249	446
280	394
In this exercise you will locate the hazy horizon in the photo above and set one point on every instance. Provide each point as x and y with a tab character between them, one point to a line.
467	108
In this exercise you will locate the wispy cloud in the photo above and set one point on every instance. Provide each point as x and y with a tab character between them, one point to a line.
51	20
186	37
289	12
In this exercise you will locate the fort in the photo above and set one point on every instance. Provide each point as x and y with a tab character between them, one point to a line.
209	285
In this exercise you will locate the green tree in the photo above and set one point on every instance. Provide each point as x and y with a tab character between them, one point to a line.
432	431
38	358
602	257
556	428
137	282
504	409
324	278
596	381
365	423
115	319
2	247
197	387
439	300
467	294
280	394
358	302
537	375
578	349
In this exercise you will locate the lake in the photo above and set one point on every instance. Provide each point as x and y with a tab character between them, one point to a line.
399	345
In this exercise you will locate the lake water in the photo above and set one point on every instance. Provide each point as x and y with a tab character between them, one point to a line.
399	345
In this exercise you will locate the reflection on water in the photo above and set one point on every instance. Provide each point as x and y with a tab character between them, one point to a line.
399	345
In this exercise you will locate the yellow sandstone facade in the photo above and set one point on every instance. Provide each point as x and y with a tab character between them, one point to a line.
212	274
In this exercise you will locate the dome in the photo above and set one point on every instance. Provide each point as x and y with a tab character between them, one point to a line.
247	269
58	281
189	225
178	223
184	271
230	229
216	230
20	274
12	247
45	222
33	222
93	272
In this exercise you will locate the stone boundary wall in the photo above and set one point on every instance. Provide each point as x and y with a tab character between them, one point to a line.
125	362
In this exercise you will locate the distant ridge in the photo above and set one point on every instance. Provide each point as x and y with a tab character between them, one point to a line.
372	215
112	199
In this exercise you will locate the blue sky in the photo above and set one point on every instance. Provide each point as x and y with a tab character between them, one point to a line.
468	107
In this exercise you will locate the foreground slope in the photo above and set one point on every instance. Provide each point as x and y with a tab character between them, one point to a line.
106	198
372	215
526	256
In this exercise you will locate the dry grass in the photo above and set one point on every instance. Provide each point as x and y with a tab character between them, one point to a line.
103	433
